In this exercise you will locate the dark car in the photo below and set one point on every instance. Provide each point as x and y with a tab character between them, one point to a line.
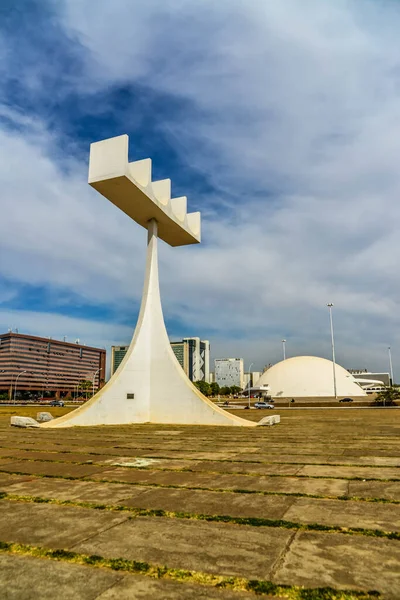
346	400
56	403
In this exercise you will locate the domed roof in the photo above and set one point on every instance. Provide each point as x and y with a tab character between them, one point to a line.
308	376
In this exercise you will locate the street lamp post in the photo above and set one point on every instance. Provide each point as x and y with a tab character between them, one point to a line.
391	366
250	381
284	349
330	305
94	377
15	385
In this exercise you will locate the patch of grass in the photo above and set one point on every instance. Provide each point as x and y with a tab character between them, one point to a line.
259	587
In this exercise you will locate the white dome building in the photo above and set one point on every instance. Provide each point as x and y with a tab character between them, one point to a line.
307	377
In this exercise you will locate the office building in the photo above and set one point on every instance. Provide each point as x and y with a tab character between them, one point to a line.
117	356
193	355
229	372
39	365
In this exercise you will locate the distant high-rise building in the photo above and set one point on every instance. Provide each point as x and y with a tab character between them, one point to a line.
193	355
117	356
229	372
44	365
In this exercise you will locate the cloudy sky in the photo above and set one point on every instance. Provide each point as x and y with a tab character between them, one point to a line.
279	120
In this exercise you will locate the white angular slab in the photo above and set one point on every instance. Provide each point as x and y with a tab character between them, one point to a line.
23	422
129	186
272	420
43	417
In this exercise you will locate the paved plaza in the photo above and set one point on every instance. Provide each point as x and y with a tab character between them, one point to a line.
179	512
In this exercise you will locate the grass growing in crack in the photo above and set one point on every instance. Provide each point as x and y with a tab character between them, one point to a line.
259	587
248	521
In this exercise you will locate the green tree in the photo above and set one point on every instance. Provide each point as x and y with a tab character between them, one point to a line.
387	397
204	387
225	391
235	389
215	390
85	385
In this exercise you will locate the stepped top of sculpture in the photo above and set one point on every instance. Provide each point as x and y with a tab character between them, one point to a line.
129	186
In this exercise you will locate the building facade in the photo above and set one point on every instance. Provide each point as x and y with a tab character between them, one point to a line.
229	372
40	365
117	356
193	355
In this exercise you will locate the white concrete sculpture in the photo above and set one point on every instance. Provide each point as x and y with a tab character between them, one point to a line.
23	422
272	420
43	417
149	386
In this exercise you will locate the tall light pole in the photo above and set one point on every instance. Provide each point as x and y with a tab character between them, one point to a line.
16	381
284	349
391	366
94	377
250	381
330	305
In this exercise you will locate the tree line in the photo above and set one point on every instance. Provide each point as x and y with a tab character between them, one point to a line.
213	389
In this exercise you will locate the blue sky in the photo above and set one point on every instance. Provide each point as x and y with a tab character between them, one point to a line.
278	120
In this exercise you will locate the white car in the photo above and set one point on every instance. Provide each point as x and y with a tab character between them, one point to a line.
263	405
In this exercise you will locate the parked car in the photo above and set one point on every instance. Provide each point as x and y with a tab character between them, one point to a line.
346	400
56	403
263	405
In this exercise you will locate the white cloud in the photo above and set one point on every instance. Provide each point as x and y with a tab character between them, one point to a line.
294	116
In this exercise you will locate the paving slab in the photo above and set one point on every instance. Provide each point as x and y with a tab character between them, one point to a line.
379	461
244	467
27	578
183	454
368	515
82	491
52	468
211	547
375	489
211	503
5	461
145	462
51	525
342	561
390	452
56	456
389	461
324	487
191	501
7	479
134	587
364	472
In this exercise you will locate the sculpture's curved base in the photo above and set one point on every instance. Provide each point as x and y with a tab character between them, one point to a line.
149	386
